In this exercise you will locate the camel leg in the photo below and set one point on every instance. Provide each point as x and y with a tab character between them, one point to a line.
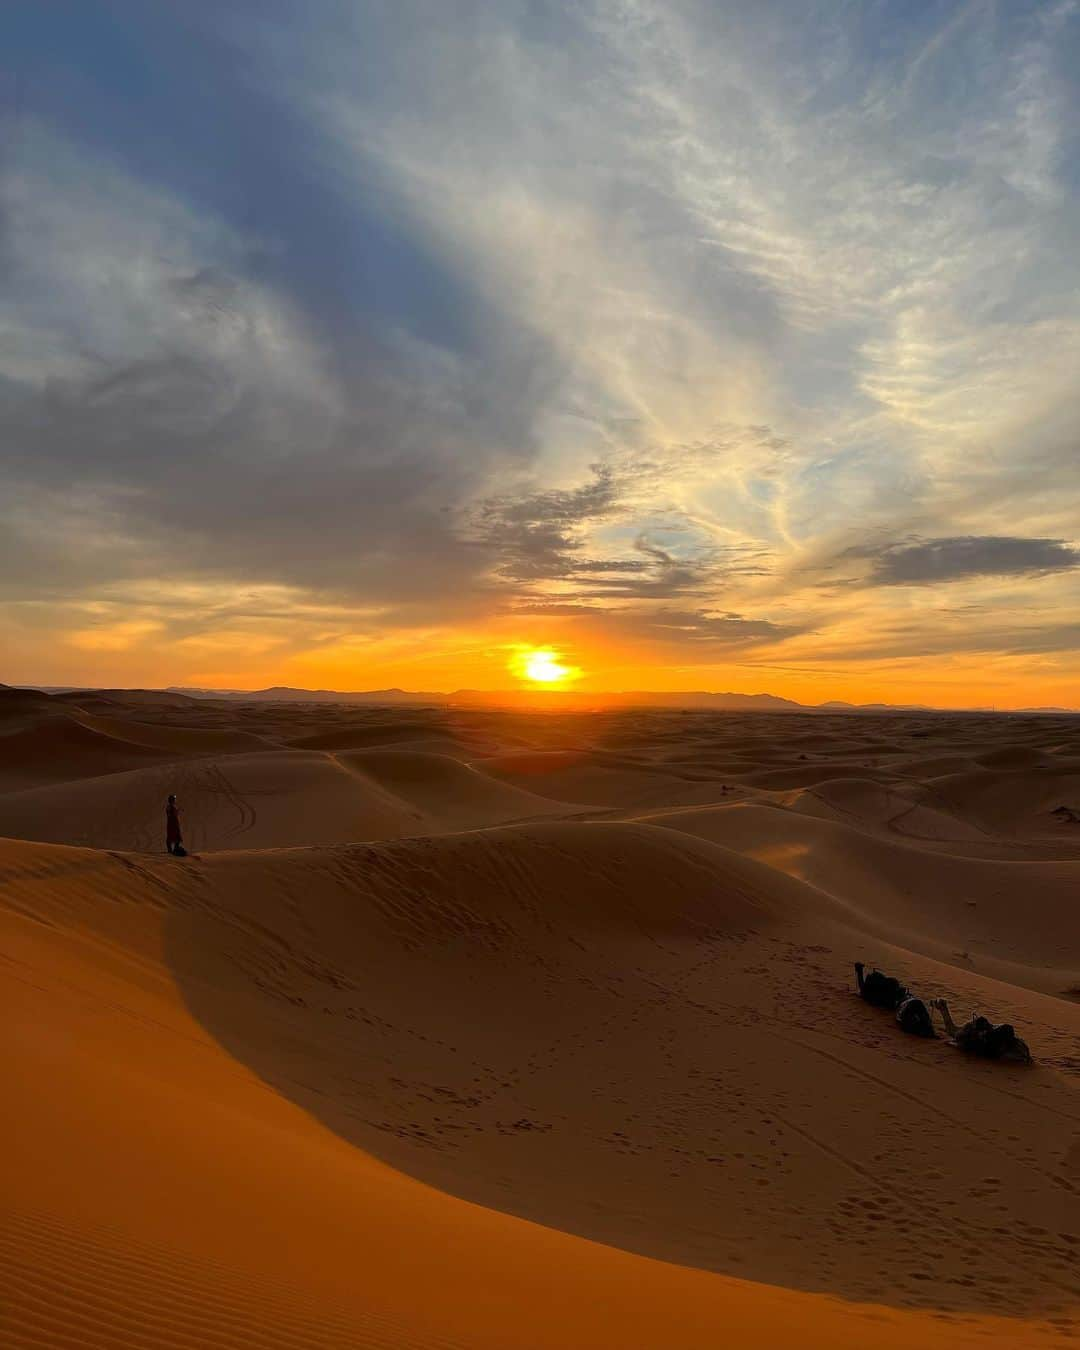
951	1028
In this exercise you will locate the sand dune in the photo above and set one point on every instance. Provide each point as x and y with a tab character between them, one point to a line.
18	703
657	1060
969	807
268	800
58	749
806	775
598	778
892	808
966	911
51	747
178	741
380	734
277	799
449	794
1014	804
128	700
440	1080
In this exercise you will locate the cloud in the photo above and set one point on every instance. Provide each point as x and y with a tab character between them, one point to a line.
657	317
688	636
117	637
936	560
184	418
699	628
627	531
536	537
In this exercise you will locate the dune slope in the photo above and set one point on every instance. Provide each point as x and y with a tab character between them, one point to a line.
270	799
1013	920
384	1094
59	748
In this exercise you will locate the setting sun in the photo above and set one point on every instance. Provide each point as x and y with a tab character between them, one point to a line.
542	666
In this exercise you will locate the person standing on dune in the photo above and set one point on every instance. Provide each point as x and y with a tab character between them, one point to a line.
174	839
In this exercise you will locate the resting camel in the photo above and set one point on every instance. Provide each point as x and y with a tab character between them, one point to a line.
885	992
879	989
980	1037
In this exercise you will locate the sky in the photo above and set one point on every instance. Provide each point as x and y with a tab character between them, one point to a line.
697	344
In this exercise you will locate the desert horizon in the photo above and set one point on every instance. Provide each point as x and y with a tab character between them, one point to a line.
537	698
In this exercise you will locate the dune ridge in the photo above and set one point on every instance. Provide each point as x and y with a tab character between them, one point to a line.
945	905
272	799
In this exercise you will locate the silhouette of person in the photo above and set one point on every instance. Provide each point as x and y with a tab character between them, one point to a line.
174	839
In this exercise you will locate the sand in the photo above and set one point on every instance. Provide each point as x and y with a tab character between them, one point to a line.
533	1031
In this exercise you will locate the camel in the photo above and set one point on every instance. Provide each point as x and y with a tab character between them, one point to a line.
882	991
979	1036
878	989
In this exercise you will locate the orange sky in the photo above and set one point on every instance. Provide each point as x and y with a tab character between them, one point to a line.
439	661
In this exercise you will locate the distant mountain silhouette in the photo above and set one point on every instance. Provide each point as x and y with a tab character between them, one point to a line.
557	698
567	700
577	700
280	693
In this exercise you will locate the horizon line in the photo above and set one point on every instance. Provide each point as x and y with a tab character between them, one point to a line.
827	705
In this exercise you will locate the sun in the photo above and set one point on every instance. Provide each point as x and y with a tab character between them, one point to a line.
542	665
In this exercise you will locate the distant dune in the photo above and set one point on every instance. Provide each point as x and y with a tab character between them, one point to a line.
60	748
472	1029
272	800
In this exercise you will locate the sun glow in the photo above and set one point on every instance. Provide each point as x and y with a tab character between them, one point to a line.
542	665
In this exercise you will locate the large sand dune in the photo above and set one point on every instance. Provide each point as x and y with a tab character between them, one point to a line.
271	800
550	1083
962	909
599	777
59	749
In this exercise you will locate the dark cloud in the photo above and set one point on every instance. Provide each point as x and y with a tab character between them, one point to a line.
932	560
701	627
232	448
537	537
540	541
696	634
939	635
542	538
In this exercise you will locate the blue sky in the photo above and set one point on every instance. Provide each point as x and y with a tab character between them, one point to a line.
721	341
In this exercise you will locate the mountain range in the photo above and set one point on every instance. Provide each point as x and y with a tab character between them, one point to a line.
561	700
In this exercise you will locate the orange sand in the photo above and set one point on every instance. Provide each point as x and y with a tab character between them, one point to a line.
556	1058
